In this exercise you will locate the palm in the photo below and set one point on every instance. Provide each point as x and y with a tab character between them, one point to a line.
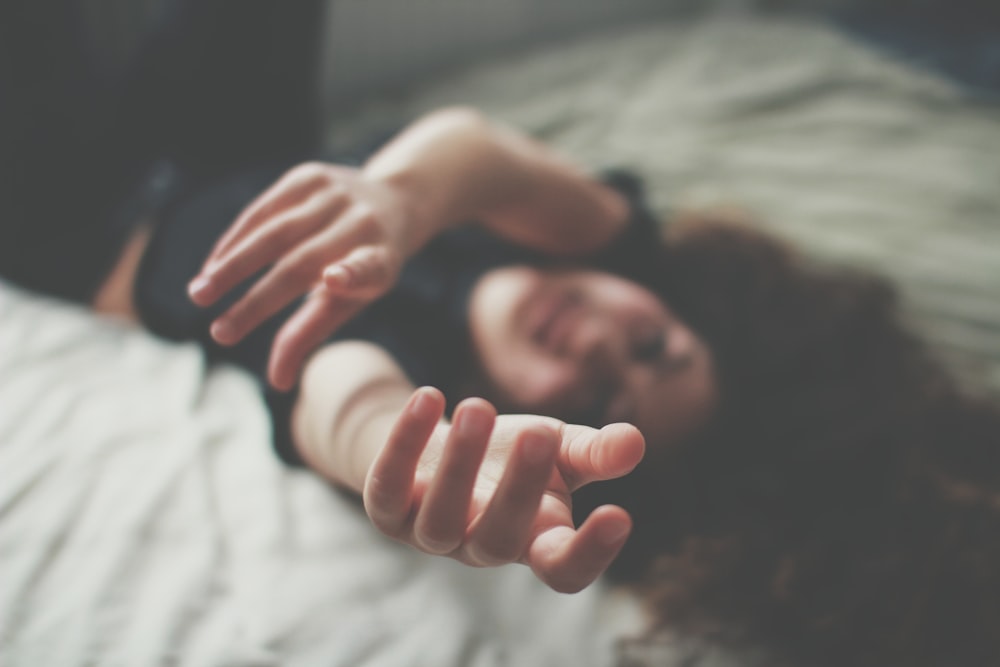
554	508
500	492
556	502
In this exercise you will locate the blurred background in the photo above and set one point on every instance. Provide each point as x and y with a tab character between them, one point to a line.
376	45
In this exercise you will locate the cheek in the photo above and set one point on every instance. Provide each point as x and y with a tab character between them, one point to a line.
624	302
704	395
494	308
534	382
682	406
698	396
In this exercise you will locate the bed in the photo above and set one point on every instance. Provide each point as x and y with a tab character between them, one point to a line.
144	521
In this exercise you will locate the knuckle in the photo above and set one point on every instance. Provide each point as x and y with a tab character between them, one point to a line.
491	553
437	545
382	521
375	492
378	502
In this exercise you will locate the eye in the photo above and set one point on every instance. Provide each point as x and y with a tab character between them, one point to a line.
650	347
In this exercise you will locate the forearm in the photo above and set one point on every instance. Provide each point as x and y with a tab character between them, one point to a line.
486	491
455	166
350	396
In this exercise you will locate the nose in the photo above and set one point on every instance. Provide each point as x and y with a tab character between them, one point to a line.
601	347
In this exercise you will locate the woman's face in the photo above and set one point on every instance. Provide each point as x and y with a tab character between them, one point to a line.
589	347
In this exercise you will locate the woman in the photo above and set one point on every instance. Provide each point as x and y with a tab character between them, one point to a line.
166	116
583	345
813	481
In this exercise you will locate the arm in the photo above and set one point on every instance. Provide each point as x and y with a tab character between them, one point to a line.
457	166
485	490
348	232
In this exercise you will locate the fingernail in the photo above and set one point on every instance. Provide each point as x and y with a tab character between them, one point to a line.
421	403
198	286
222	331
537	448
613	533
337	274
472	423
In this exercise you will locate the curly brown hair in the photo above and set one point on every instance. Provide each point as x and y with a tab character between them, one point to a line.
843	505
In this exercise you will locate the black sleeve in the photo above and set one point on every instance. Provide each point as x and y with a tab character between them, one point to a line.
104	107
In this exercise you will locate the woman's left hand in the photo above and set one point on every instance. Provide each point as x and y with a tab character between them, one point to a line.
324	230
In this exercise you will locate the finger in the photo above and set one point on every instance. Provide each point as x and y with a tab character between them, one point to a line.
287	191
388	488
588	455
568	561
316	319
440	524
364	272
502	532
286	281
264	245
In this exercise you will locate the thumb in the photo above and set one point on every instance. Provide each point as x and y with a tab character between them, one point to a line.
364	272
588	455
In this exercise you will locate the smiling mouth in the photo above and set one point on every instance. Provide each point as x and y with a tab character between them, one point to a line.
552	320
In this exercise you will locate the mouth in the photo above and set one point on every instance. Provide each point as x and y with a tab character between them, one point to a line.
553	318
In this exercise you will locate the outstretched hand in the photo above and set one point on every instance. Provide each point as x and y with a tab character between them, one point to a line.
498	489
324	230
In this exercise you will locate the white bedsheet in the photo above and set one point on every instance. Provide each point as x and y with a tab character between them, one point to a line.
144	521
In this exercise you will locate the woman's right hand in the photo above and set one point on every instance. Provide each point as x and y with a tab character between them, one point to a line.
488	490
325	231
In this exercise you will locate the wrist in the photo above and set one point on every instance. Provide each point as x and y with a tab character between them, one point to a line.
440	167
350	397
423	213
